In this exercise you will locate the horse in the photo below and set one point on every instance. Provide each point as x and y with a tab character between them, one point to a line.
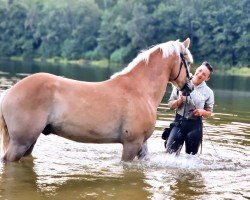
121	109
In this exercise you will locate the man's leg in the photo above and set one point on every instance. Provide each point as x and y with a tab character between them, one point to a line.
175	141
193	141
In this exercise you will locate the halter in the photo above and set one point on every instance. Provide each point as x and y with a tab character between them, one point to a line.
188	86
181	64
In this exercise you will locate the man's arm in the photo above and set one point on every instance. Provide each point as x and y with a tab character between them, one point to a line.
176	103
202	113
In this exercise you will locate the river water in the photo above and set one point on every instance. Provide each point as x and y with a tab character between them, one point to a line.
63	169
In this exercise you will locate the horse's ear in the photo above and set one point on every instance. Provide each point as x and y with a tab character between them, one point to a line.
186	43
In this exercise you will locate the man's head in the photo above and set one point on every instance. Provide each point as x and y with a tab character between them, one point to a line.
202	73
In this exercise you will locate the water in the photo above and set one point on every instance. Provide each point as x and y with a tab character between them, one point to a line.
63	169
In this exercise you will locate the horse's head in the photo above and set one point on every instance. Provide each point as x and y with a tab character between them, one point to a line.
180	76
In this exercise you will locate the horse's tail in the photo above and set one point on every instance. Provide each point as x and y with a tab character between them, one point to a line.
4	135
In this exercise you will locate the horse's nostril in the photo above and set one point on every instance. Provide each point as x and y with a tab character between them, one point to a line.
187	88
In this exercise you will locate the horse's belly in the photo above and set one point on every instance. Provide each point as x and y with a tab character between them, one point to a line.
84	135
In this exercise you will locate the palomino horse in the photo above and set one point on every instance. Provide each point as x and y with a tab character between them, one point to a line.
119	110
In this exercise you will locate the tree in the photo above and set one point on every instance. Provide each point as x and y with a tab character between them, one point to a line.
85	23
118	29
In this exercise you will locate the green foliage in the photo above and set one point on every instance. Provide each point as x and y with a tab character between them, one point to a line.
242	71
117	30
49	28
120	55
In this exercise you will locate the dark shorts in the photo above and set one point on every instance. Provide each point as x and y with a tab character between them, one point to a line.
185	130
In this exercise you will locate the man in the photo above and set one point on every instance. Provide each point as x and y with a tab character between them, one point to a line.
187	126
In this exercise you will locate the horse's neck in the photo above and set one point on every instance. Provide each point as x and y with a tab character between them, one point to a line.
151	79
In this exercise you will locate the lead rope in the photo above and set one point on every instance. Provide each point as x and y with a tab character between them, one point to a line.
182	119
201	123
211	142
206	133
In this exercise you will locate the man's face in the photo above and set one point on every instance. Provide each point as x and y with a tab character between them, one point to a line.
202	73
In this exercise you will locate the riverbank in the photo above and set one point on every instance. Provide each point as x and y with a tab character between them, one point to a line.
235	71
242	71
56	60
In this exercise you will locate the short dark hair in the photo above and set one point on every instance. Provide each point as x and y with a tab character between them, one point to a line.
209	67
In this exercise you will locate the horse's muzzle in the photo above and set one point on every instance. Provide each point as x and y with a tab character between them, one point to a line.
187	88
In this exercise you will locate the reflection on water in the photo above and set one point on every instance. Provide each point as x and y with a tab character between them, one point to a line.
231	83
191	183
63	169
86	72
24	181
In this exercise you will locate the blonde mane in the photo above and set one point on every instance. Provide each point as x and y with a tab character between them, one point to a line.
167	48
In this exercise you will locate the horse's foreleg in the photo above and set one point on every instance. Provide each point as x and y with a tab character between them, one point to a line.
130	150
143	150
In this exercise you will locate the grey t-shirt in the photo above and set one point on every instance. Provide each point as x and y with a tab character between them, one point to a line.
201	97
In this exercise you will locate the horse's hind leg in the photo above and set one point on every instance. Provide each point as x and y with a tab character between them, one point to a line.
16	150
29	151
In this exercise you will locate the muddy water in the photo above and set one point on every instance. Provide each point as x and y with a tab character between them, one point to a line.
63	169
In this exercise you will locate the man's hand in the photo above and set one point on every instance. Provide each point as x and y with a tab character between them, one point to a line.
198	112
180	100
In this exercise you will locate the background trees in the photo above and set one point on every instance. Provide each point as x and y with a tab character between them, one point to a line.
117	29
